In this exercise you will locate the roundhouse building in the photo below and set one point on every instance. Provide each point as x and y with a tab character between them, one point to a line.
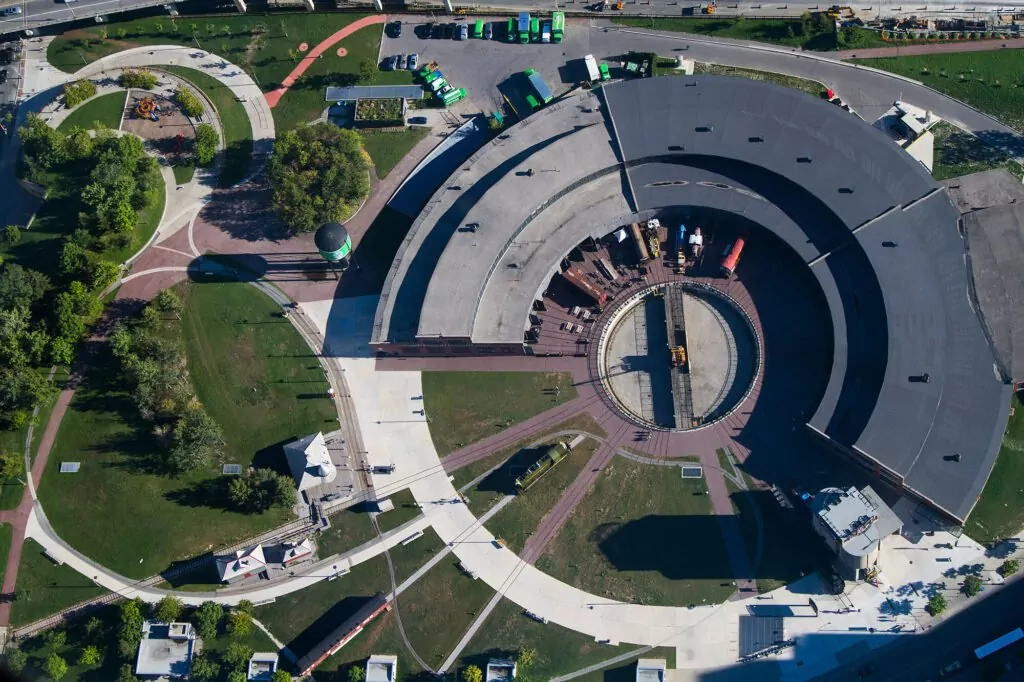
913	391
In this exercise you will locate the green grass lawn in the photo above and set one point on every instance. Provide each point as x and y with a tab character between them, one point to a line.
252	371
405	510
989	81
246	364
626	670
804	85
464	407
439	608
380	636
999	513
960	153
386	148
264	46
613	544
183	172
349	529
234	121
48	587
559	650
776	31
517	521
106	109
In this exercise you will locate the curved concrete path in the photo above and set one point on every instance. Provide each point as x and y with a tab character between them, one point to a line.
327	43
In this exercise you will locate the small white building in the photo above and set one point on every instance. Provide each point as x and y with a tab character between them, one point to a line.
909	127
650	670
500	670
262	666
381	668
166	650
294	551
854	524
242	564
310	462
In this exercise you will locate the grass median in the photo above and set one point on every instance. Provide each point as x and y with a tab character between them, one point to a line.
45	588
233	119
999	514
386	148
106	109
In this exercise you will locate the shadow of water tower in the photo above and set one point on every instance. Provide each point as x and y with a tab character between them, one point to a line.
335	246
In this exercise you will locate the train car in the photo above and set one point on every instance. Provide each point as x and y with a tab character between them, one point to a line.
551	457
607	270
638	241
578	280
732	257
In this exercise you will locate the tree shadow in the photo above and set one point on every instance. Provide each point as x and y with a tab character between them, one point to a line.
308	639
245	213
210	493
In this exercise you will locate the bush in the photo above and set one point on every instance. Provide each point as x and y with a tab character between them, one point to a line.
189	103
12	234
138	78
937	604
972	585
1009	567
206	144
77	92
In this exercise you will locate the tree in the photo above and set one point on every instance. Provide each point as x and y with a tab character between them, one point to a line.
55	667
169	302
196	439
237	676
55	640
367	70
43	146
11	466
93	627
240	492
244	606
1009	567
525	657
190	104
281	676
21	287
204	669
937	604
239	624
14	659
318	173
972	585
11	234
207	619
90	656
168	609
103	273
73	259
77	92
127	674
357	673
472	673
237	654
78	143
206	143
142	79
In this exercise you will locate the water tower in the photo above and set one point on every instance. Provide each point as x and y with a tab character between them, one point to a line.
334	244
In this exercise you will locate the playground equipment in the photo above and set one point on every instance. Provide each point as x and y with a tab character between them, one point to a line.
179	143
147	108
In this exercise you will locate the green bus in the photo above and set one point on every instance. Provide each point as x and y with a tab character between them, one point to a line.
535	30
478	29
452	96
510	31
524	27
557	26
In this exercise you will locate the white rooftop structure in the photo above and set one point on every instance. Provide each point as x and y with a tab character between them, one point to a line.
500	670
854	524
166	650
244	562
262	666
650	670
297	551
908	126
310	462
381	668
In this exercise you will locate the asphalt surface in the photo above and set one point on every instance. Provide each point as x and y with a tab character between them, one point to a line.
39	13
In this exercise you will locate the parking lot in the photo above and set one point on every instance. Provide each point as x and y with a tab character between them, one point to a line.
481	66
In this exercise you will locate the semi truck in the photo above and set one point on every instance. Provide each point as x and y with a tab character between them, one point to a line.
524	27
539	86
592	71
557	26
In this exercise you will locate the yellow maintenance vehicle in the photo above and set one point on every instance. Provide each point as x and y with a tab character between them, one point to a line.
678	356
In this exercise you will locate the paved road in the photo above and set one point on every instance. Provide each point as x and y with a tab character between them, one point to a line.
38	13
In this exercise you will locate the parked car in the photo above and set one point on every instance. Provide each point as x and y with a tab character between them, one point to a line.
437	31
413	61
463	31
418	121
10	11
950	669
427	30
401	62
388	64
331	497
3	75
396	29
488	31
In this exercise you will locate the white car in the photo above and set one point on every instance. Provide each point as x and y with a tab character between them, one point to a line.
10	11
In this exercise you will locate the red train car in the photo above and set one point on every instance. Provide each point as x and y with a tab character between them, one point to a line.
732	257
579	280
